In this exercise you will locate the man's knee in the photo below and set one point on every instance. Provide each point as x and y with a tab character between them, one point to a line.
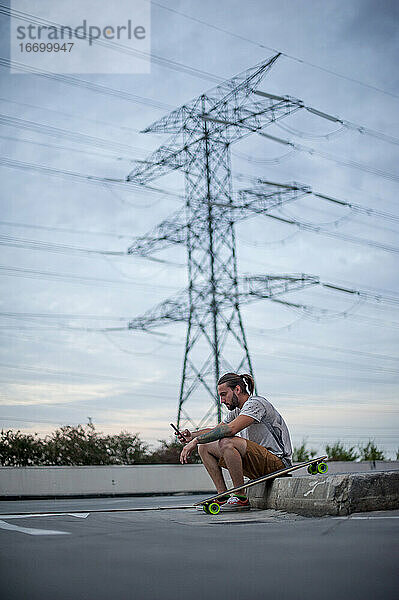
225	444
204	449
236	443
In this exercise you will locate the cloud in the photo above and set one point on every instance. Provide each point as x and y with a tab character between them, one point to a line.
52	394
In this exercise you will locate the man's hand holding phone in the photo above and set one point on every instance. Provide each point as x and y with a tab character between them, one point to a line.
183	436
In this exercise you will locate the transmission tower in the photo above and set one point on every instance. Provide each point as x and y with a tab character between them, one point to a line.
203	131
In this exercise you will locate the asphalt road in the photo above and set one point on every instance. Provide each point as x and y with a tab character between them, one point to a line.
177	554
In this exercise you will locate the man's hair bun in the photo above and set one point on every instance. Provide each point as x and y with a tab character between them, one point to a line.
245	381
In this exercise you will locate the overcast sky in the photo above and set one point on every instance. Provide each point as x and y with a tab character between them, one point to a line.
333	374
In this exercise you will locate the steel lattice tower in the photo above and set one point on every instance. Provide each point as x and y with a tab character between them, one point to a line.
203	132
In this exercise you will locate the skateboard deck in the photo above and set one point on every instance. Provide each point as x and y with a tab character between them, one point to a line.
315	466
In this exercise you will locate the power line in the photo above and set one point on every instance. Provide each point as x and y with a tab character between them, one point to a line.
350	216
110	189
345	163
36	274
288	56
165	62
335	234
177	66
328	361
57	372
122	48
364	294
294	358
67	230
87	119
81	177
30	315
262	161
69	149
309	311
312	152
347	188
15	242
203	74
260	331
318	312
83	84
312	136
377	290
7	240
73	136
354	208
328	347
312	375
332	118
48	371
357	207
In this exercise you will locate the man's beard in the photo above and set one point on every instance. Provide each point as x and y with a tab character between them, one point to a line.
234	402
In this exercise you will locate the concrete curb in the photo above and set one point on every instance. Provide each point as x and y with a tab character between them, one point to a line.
102	480
320	495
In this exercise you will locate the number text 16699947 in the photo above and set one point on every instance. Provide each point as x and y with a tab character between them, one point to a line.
46	47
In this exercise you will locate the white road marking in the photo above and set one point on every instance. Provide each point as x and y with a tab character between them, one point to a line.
103	510
29	531
28	516
240	521
349	518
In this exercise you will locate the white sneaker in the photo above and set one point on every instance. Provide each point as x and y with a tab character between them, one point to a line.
234	503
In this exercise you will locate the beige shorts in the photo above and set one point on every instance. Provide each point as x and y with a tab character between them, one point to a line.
257	461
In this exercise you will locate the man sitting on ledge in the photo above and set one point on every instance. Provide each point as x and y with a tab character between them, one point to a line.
262	445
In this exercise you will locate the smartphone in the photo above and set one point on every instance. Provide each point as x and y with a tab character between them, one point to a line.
176	430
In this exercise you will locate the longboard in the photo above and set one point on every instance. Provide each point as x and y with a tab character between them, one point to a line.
315	466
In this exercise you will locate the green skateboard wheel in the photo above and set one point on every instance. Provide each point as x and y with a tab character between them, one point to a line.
205	508
322	467
213	508
312	469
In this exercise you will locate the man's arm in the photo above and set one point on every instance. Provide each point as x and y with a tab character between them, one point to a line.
217	433
225	429
202	431
187	436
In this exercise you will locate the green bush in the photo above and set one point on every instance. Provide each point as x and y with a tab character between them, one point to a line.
70	445
302	454
338	452
83	445
20	450
78	445
126	449
371	452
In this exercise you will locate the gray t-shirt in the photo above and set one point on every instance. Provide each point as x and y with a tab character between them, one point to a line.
269	429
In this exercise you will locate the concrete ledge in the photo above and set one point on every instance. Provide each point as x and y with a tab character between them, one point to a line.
115	480
320	495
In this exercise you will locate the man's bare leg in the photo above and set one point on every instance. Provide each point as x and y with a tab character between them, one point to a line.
210	454
232	450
